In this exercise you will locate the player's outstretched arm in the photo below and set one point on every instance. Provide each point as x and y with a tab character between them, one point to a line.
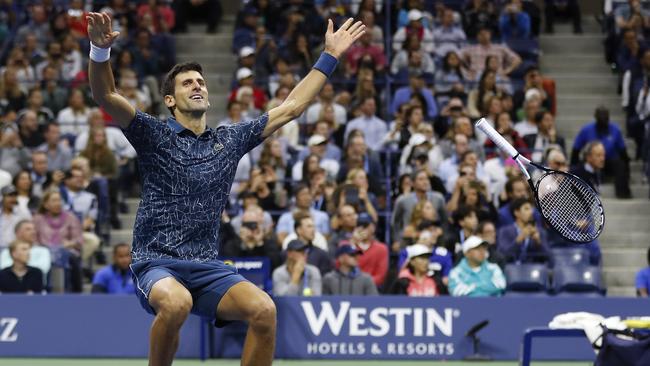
336	43
100	74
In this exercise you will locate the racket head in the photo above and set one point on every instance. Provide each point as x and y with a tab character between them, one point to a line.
570	206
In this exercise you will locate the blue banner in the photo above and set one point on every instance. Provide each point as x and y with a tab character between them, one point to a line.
386	327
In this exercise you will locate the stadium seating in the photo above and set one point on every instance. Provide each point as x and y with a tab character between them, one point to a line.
578	280
527	279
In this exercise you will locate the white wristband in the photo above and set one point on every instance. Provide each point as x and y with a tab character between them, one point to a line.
99	54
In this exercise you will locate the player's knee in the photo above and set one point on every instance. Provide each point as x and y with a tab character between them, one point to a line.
264	315
175	305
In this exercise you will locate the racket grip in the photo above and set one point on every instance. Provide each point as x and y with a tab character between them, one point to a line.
493	135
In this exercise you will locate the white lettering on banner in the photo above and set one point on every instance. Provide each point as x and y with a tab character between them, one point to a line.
379	322
248	265
420	349
8	329
334	348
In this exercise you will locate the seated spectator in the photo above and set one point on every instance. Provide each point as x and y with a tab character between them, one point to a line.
30	133
146	57
488	233
528	126
162	16
73	119
332	151
25	74
516	188
37	24
59	153
411	59
472	193
487	88
451	169
422	212
364	53
545	138
72	59
41	178
533	79
416	87
318	147
347	278
373	257
474	56
422	151
61	231
297	277
354	191
326	97
462	125
20	277
246	79
631	16
405	204
414	26
116	278
590	168
365	88
35	104
636	101
449	80
642	281
55	97
616	159
514	23
413	119
474	275
569	7
376	32
13	155
365	158
503	125
16	97
448	36
10	215
465	225
39	256
27	201
343	225
373	127
523	241
138	97
305	231
502	81
430	234
479	14
251	241
414	278
115	139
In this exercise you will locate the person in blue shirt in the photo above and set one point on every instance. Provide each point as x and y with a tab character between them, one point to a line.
516	187
642	281
525	240
440	261
514	23
116	278
416	85
617	162
187	170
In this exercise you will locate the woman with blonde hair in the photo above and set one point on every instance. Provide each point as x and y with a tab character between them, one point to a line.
355	192
423	210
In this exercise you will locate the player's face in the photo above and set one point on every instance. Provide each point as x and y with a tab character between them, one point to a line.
190	94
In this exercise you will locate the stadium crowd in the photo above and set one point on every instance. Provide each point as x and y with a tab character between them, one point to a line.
382	186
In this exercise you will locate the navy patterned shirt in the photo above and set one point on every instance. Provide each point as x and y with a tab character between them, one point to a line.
186	180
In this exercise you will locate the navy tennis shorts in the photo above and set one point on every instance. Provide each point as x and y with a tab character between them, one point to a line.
206	281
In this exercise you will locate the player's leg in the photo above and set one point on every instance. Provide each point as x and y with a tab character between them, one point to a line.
172	303
244	301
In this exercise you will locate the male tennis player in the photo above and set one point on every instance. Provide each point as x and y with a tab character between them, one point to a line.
187	170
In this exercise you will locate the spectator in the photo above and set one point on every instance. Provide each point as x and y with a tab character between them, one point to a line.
449	81
422	151
325	98
642	281
616	159
422	212
488	233
503	125
410	59
10	215
448	36
414	27
297	277
472	193
115	139
332	151
186	10
139	98
533	79
41	178
487	88
416	87
244	34
354	191
591	164
30	133
61	231
27	201
373	127
465	224
35	103
25	74
636	101
72	59
474	275
73	119
630	52
54	59
146	58
348	279
429	233
16	97
516	188
513	22
116	278
376	32
528	125
373	257
451	169
304	230
405	204
365	54
524	240
569	7
20	277
39	256
59	154
343	225
414	278
13	155
299	54
357	151
162	16
461	125
545	138
631	16
245	80
38	25
480	14
318	147
54	95
474	56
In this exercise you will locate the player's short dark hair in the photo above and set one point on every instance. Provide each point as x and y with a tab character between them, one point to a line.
168	86
517	203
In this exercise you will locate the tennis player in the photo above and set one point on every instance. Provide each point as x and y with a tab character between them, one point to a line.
187	170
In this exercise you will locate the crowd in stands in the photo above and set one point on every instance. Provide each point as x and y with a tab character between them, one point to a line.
381	186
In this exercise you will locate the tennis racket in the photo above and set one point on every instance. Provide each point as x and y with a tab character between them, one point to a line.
567	203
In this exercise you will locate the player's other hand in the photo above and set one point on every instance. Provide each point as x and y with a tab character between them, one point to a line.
100	30
336	43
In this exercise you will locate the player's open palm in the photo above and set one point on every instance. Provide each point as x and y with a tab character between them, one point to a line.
336	43
100	30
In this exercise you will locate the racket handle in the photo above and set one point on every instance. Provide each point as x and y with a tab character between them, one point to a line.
493	135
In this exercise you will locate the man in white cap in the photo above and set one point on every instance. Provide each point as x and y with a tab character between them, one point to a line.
317	145
474	275
245	78
414	27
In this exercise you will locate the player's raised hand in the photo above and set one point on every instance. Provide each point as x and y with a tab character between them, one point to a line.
336	43
100	30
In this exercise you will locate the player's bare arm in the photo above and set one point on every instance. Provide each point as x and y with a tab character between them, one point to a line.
336	43
102	84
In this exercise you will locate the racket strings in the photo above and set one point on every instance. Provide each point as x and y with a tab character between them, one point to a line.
570	207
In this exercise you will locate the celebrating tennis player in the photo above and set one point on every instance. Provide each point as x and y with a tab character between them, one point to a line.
187	170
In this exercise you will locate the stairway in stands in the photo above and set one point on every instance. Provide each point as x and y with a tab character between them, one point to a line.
584	81
213	52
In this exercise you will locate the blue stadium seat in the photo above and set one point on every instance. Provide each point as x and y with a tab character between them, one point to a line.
575	256
577	279
527	278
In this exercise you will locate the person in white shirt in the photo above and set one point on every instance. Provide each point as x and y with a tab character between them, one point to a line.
39	255
414	25
448	36
372	126
528	126
10	215
115	139
73	119
326	97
